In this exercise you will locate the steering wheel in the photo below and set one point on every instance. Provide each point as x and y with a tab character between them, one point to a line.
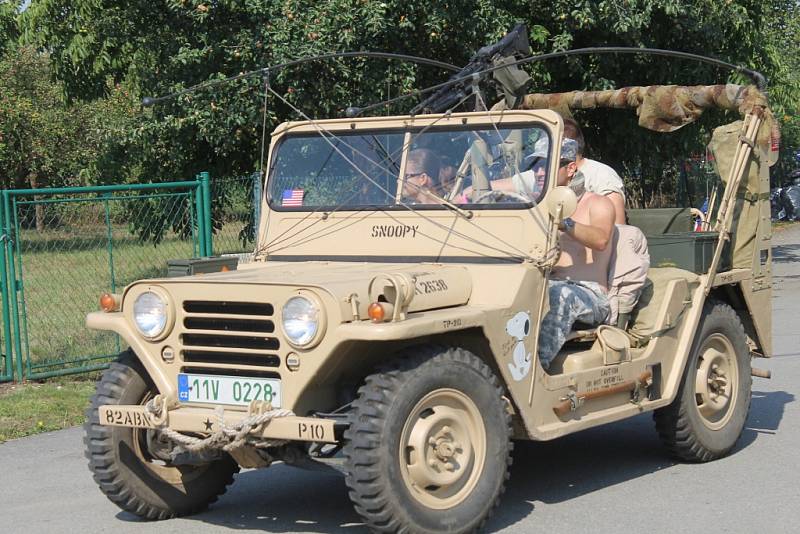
497	196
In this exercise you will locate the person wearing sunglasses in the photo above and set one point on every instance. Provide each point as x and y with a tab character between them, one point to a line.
421	180
532	173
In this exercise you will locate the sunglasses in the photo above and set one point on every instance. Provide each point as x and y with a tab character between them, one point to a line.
414	174
543	163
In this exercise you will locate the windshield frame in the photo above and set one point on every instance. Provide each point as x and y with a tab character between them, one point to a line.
410	126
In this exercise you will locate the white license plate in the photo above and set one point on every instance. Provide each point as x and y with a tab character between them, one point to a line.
235	390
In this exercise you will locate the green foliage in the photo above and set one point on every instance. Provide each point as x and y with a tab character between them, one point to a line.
8	23
44	141
159	46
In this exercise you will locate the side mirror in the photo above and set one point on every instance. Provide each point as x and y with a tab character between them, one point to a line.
561	203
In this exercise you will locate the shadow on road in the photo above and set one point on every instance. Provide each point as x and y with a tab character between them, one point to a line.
766	413
581	463
560	470
284	499
786	253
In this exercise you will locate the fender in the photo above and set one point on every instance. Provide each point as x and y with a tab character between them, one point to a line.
416	325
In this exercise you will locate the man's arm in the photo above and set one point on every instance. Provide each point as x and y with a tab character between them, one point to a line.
598	233
502	184
619	207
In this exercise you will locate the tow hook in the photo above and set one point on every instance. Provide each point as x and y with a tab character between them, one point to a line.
761	373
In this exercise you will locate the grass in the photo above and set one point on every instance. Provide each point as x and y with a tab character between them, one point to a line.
32	408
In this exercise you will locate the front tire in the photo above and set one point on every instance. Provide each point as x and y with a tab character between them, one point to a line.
428	447
707	417
122	466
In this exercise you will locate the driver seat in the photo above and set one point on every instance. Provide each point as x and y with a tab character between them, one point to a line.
627	277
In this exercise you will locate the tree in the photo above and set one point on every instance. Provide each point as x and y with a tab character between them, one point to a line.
8	23
43	140
165	45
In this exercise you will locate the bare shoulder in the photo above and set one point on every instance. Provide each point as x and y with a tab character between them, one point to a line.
598	203
600	209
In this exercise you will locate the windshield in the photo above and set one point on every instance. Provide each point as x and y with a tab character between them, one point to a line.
474	167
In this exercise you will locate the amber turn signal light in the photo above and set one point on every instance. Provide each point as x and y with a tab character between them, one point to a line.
108	303
376	312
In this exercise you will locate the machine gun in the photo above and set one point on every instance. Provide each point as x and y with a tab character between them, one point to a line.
513	80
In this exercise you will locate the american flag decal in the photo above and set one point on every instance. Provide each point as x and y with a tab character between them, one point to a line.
292	197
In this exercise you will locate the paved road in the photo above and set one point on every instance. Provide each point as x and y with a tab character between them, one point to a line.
613	479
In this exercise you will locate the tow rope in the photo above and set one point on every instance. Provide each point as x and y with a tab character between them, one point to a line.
227	438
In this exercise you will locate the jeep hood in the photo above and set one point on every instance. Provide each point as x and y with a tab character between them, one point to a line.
421	286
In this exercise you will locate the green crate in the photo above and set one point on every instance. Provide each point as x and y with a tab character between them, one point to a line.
657	221
201	265
692	251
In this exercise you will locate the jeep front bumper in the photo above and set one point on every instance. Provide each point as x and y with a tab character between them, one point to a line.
207	421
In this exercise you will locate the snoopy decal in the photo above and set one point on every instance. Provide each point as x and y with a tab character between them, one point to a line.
519	327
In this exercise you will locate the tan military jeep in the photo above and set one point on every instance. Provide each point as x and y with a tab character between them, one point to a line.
391	331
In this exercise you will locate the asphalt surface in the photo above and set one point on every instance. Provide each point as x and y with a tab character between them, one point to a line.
612	479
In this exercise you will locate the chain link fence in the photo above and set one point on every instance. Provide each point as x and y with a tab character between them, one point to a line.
235	207
65	247
60	249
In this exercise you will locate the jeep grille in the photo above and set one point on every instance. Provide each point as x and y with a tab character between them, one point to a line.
226	333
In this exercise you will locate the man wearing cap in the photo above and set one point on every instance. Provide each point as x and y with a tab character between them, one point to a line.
529	179
595	176
578	290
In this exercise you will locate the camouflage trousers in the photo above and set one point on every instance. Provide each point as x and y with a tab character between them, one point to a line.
570	302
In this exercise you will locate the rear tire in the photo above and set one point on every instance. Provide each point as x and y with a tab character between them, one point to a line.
428	447
707	417
120	462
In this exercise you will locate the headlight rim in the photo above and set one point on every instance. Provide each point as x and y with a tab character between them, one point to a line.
169	324
321	320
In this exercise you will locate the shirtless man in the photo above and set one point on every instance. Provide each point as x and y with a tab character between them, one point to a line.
578	288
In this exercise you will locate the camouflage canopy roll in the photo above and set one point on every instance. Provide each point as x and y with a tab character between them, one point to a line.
665	108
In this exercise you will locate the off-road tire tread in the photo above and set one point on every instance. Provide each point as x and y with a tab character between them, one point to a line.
673	423
99	447
366	490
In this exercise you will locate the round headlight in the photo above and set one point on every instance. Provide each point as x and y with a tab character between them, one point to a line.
150	314
300	320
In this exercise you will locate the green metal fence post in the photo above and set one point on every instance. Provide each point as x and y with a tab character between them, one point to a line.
8	369
201	217
193	219
205	185
12	283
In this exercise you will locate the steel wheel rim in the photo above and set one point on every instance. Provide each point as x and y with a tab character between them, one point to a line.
442	449
174	475
716	381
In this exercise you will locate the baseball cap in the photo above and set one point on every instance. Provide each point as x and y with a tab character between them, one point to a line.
569	149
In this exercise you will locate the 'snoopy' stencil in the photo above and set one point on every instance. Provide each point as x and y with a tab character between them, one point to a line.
519	327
